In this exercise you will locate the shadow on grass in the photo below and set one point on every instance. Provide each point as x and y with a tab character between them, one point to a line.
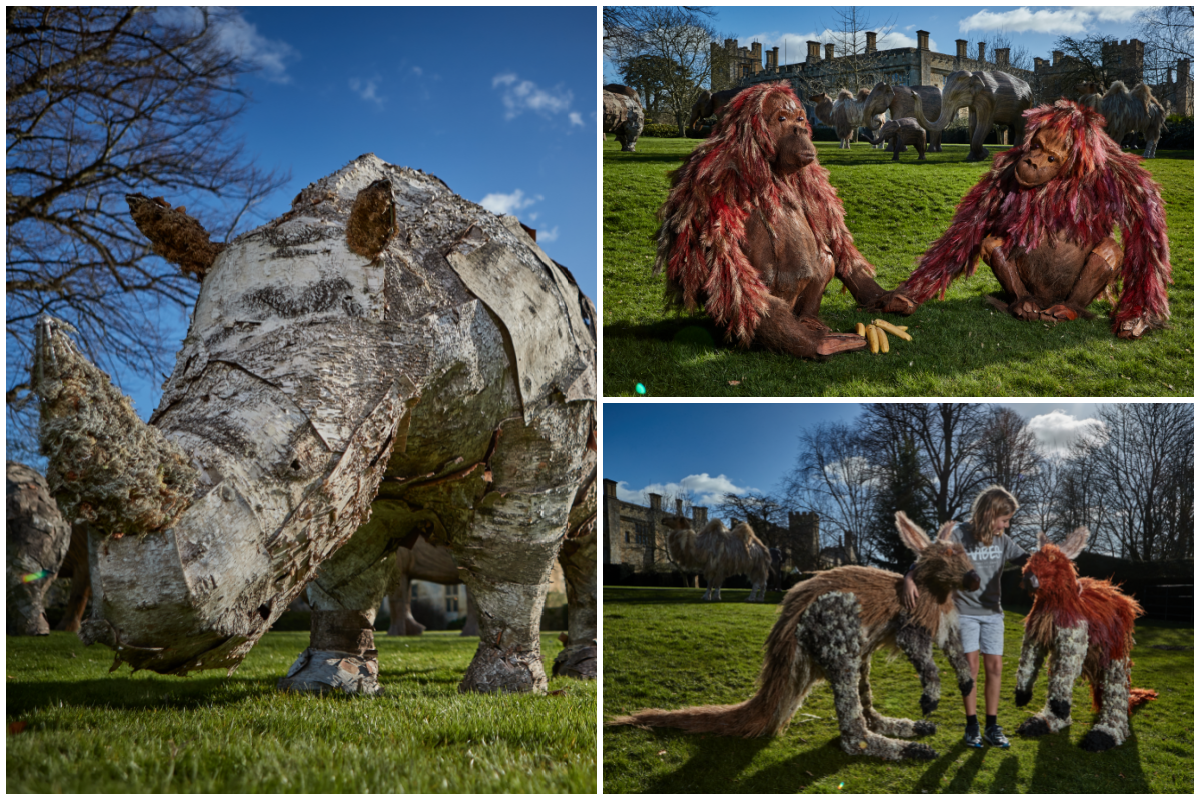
662	158
732	756
131	693
1120	769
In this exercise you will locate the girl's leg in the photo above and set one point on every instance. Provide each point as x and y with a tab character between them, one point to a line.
992	667
969	698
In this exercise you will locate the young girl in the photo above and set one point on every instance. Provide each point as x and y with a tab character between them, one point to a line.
980	616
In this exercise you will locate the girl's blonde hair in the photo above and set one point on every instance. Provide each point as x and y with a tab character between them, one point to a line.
991	504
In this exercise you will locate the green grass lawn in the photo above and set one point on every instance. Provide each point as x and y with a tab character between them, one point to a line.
73	727
961	347
665	648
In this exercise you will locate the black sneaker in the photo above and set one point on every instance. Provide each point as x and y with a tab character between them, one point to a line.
995	736
971	737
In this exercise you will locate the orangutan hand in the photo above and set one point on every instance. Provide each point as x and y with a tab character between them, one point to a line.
893	302
1133	328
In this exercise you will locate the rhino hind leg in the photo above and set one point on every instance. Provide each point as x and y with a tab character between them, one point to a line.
578	558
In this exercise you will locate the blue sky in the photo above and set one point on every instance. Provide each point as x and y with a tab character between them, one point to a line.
734	447
1033	27
500	103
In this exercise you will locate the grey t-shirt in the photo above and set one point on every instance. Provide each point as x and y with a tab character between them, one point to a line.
989	561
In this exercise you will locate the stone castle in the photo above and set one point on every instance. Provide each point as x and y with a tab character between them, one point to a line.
824	70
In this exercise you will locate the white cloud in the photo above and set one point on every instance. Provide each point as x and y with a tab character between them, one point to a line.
704	489
418	71
548	235
856	471
234	36
500	203
1022	20
793	47
366	89
520	96
1057	431
575	118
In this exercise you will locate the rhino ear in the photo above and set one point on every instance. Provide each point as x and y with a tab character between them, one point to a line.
372	220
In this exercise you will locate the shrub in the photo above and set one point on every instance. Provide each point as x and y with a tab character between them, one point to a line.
661	131
1178	133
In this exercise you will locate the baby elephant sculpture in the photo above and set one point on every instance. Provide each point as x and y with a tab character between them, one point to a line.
1085	626
384	358
901	132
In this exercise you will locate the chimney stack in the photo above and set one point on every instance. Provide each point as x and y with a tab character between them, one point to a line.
960	46
982	52
870	41
829	52
922	40
814	51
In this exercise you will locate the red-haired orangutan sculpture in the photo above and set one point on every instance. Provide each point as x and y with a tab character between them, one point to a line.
752	229
1043	220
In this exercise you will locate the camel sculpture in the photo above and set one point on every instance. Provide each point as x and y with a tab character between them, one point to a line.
423	562
1085	626
717	552
898	101
356	370
623	116
828	628
1126	111
994	98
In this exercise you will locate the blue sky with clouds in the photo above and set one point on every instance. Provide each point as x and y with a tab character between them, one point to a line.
1033	27
715	448
500	103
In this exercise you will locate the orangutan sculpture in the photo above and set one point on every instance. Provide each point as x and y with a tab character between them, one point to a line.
385	358
901	132
753	230
1043	219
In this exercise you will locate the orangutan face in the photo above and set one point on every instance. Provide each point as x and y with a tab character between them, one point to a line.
788	129
1046	156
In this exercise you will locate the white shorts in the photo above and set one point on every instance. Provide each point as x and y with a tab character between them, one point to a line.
985	634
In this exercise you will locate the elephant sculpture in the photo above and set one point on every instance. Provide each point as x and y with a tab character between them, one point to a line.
994	98
901	132
898	100
710	104
624	117
386	358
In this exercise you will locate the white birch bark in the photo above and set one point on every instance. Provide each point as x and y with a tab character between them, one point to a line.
364	355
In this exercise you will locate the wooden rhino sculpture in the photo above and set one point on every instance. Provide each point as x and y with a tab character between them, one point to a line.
384	359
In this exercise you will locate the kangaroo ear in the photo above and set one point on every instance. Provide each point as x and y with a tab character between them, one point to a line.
372	219
1073	545
1042	540
946	531
913	537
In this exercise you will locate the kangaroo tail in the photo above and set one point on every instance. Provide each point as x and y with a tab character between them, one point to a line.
1139	697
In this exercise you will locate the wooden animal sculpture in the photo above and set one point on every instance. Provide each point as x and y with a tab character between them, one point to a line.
898	100
34	549
717	552
624	117
753	230
1126	111
845	113
423	561
356	370
828	627
994	98
1085	626
710	104
901	132
1043	220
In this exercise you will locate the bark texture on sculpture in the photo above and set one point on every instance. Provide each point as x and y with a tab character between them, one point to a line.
354	370
36	544
717	553
1126	111
898	100
753	230
1043	217
828	628
993	98
901	132
624	117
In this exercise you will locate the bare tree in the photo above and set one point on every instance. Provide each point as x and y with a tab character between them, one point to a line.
102	102
1170	35
948	438
854	66
678	39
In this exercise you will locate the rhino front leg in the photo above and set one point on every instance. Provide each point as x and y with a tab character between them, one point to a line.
345	594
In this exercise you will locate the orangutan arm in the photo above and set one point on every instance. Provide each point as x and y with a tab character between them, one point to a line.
1147	266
